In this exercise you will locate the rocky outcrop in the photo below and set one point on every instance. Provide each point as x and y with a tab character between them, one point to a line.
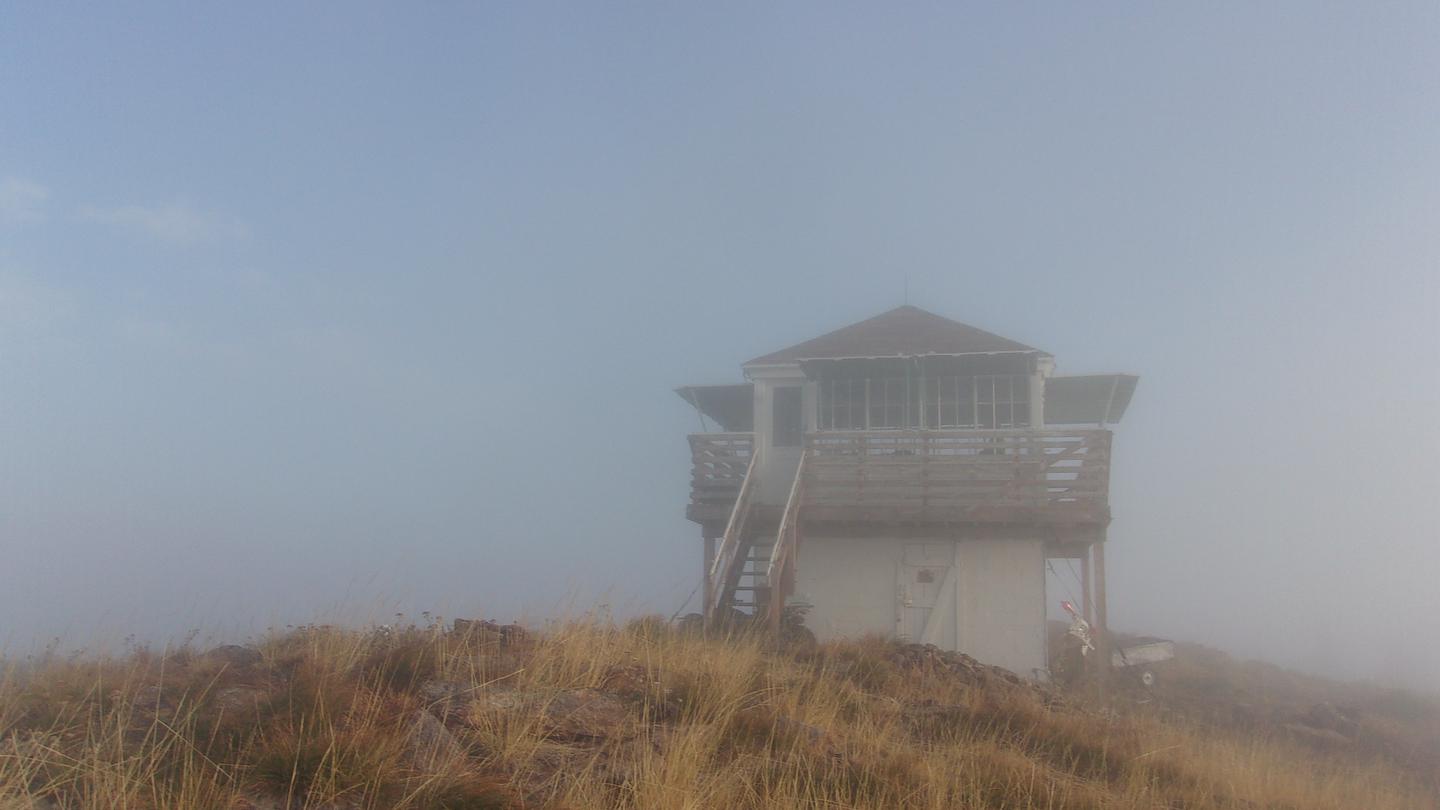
233	656
570	715
431	744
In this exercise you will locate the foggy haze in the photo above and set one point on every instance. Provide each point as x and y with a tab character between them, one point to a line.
310	313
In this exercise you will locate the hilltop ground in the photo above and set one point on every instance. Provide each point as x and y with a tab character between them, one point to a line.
646	716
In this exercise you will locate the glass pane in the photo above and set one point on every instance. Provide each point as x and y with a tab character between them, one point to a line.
786	428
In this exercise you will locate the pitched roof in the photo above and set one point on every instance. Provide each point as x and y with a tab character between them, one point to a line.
902	332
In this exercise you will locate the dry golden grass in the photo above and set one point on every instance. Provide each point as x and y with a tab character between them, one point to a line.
592	715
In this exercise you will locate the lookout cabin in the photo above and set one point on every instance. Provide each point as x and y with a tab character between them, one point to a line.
907	476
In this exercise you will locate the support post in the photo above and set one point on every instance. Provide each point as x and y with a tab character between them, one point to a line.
780	590
1042	368
775	606
709	560
1087	607
1102	627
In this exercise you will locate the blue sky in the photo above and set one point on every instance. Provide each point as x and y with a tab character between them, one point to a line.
309	309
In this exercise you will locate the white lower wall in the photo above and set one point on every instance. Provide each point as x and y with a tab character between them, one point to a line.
1001	603
982	597
851	583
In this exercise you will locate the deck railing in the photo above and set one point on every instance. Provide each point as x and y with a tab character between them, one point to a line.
1046	476
718	465
961	475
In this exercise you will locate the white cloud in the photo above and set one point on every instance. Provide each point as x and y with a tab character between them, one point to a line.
176	224
22	202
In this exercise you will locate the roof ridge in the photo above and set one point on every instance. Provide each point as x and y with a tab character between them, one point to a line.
906	330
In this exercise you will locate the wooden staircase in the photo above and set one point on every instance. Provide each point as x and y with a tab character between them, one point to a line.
734	558
752	580
746	570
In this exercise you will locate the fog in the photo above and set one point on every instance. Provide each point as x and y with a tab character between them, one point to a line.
324	313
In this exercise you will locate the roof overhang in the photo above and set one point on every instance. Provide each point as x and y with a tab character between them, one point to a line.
813	360
731	406
936	361
1088	399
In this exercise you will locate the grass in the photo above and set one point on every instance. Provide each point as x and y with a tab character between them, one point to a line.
590	714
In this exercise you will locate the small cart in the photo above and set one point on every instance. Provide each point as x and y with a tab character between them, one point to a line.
1140	655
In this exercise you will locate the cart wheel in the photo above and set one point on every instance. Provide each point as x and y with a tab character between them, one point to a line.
1147	679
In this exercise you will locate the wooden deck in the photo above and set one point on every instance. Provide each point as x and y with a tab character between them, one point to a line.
718	465
1044	477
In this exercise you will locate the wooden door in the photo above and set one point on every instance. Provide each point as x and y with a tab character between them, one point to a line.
926	579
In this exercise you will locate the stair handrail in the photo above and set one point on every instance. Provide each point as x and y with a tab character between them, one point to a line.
730	542
782	553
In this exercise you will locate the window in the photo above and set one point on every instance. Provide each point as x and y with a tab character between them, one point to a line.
1002	401
985	402
842	403
786	428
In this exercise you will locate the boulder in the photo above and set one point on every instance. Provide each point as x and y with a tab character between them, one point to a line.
581	714
431	744
486	630
469	627
445	699
574	715
1322	738
239	699
233	656
1328	716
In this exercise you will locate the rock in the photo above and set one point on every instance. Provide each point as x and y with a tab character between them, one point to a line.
485	630
581	714
932	659
1323	738
239	698
147	704
233	656
502	666
469	627
507	700
431	744
691	623
441	691
445	699
575	715
631	681
1327	716
149	698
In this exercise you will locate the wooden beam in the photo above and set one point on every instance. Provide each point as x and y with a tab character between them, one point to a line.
1102	627
709	553
1086	607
